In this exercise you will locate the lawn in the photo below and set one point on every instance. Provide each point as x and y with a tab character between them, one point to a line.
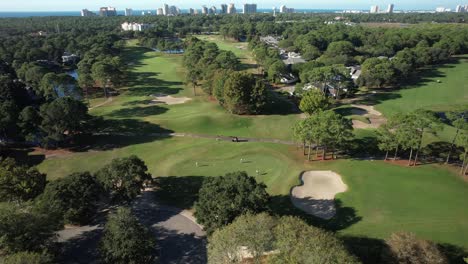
386	198
429	94
153	72
382	197
240	49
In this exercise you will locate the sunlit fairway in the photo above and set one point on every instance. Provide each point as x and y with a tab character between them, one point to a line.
427	200
450	92
154	73
382	197
240	49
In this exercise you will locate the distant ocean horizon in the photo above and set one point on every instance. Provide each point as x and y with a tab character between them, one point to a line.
139	12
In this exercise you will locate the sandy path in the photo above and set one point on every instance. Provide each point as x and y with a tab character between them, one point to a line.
317	193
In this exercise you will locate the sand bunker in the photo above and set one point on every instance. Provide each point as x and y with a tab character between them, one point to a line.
167	99
375	117
317	193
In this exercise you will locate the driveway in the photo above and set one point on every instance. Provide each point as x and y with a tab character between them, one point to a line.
180	239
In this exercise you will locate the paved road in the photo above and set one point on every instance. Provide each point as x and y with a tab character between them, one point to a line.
180	239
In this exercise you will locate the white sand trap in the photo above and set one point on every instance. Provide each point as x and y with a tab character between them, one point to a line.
317	193
167	99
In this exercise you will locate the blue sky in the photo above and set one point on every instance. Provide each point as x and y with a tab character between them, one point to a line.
72	5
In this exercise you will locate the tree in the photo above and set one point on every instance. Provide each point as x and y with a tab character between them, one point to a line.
26	257
75	196
276	70
387	140
8	117
22	228
314	101
227	60
377	73
405	248
222	199
458	120
243	94
124	178
61	119
125	240
462	141
297	242
19	183
248	233
327	129
59	85
29	121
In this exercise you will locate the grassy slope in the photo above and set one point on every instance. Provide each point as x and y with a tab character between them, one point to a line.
443	96
427	200
156	73
240	49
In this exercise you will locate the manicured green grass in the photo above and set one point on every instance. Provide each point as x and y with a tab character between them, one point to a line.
240	49
154	73
427	200
384	198
430	94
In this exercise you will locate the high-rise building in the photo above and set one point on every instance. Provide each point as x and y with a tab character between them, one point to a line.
174	10
191	11
107	11
441	9
274	11
374	9
249	9
284	9
460	9
87	13
213	10
390	8
160	11
231	9
128	12
204	10
166	9
224	8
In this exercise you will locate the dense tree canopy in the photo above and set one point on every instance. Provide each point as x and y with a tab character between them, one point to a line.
124	178
405	248
19	183
22	228
222	199
243	94
125	240
74	196
267	239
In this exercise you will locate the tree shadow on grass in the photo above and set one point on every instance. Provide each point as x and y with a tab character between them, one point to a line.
181	192
155	88
117	133
368	250
138	111
138	102
454	254
345	216
22	155
279	104
378	98
349	110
